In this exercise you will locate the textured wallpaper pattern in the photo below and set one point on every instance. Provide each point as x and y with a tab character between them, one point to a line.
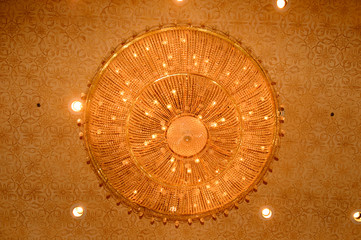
50	49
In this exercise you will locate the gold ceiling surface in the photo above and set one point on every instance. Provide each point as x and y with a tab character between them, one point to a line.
181	123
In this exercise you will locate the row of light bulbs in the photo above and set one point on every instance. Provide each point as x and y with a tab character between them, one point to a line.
78	211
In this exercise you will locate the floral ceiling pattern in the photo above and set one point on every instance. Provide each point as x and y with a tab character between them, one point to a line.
49	50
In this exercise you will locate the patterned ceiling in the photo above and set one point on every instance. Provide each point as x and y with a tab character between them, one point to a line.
50	49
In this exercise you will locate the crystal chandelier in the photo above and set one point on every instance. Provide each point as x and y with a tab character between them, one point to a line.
181	123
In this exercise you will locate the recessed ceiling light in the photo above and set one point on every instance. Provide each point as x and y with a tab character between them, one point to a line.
356	216
76	106
77	211
180	2
266	213
282	3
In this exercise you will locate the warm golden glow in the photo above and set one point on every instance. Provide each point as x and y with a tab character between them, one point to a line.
78	211
357	216
281	3
182	133
76	106
266	213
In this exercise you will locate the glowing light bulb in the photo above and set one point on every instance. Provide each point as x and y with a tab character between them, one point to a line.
135	191
213	124
281	3
172	159
208	186
147	48
164	42
200	116
154	136
78	211
170	57
197	160
206	61
135	55
164	65
189	170
164	128
173	169
183	40
223	119
214	102
155	102
266	118
357	216
266	213
174	91
169	106
76	106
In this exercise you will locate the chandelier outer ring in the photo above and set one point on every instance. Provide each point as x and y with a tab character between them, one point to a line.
139	208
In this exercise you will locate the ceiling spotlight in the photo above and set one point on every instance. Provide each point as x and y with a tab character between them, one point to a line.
266	212
281	3
356	216
77	211
76	106
180	2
